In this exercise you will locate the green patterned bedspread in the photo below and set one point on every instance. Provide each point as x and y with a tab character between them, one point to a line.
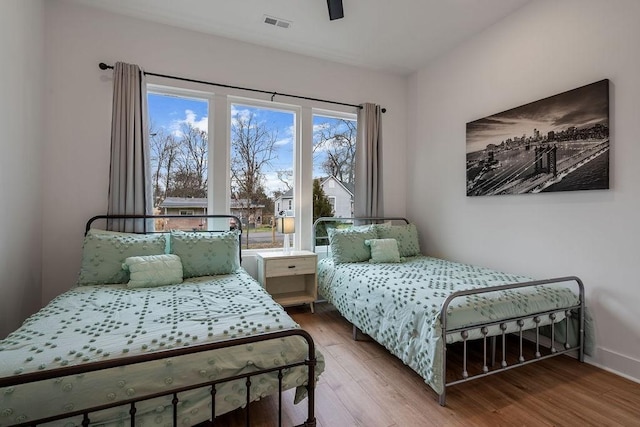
398	304
95	323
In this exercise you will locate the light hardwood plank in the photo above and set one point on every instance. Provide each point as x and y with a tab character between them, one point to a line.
364	385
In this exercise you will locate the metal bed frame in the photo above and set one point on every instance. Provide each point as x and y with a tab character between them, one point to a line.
554	348
310	361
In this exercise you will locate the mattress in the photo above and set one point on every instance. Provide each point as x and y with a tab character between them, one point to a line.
93	323
398	304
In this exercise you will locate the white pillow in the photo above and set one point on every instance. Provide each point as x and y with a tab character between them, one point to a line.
153	270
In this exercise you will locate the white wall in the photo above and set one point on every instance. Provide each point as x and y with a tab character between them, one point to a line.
21	100
79	108
546	48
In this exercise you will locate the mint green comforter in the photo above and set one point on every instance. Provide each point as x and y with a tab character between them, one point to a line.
94	323
398	304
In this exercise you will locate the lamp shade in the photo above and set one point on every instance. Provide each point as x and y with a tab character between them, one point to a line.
286	225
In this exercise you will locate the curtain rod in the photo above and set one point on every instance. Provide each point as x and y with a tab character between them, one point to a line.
104	66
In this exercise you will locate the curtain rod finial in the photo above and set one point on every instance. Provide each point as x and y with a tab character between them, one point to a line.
103	66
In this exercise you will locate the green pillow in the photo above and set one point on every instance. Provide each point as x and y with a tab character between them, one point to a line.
383	250
347	245
206	253
103	253
406	236
153	270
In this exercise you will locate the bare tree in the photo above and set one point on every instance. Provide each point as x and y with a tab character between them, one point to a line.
189	176
252	148
178	163
337	140
285	177
163	153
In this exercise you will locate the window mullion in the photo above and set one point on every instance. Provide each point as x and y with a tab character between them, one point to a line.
219	149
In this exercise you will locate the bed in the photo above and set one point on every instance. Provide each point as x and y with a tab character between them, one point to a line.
130	345
418	307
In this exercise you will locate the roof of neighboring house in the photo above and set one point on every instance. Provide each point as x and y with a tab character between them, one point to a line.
202	202
244	203
349	187
184	202
286	195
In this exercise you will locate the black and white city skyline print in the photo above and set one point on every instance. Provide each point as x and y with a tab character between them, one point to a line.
559	143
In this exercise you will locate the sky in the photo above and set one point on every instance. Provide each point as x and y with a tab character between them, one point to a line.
171	112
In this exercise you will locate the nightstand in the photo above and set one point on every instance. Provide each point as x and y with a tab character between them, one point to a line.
289	278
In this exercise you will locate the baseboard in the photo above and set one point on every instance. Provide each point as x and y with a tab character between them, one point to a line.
617	363
608	360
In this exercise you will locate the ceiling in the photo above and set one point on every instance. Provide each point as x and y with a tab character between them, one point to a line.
395	36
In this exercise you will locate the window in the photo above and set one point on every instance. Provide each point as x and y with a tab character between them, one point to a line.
332	202
261	167
334	149
179	154
250	158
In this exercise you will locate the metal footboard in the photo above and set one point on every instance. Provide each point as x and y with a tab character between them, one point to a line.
310	362
546	317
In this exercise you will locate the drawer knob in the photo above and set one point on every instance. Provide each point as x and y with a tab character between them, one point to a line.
292	266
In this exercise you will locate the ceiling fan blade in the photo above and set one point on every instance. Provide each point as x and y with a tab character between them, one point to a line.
335	9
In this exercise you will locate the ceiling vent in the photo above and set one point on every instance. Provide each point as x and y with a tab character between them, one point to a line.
277	22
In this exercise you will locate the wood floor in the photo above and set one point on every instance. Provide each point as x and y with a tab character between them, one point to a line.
364	385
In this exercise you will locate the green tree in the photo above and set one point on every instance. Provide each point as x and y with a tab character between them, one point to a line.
321	208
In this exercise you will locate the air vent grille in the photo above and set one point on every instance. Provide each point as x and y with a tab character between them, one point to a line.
272	20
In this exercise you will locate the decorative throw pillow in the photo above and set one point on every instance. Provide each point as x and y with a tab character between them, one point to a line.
153	270
383	250
406	235
103	253
347	245
207	253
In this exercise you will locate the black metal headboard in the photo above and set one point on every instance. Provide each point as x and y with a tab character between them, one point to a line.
149	222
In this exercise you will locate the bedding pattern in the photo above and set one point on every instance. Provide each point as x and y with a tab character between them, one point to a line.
398	304
92	323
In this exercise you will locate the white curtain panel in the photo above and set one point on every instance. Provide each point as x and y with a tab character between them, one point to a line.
368	186
129	188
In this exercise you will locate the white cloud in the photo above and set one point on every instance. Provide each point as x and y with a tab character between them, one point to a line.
272	183
191	118
237	113
321	126
202	124
285	141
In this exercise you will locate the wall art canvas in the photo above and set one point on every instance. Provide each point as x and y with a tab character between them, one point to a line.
560	143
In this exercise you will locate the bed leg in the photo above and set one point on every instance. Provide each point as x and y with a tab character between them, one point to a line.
357	334
442	398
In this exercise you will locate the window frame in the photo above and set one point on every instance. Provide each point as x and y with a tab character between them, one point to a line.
332	202
219	153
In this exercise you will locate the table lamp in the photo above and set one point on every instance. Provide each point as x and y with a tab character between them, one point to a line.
287	226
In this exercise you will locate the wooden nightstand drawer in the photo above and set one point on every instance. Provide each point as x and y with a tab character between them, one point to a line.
290	266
